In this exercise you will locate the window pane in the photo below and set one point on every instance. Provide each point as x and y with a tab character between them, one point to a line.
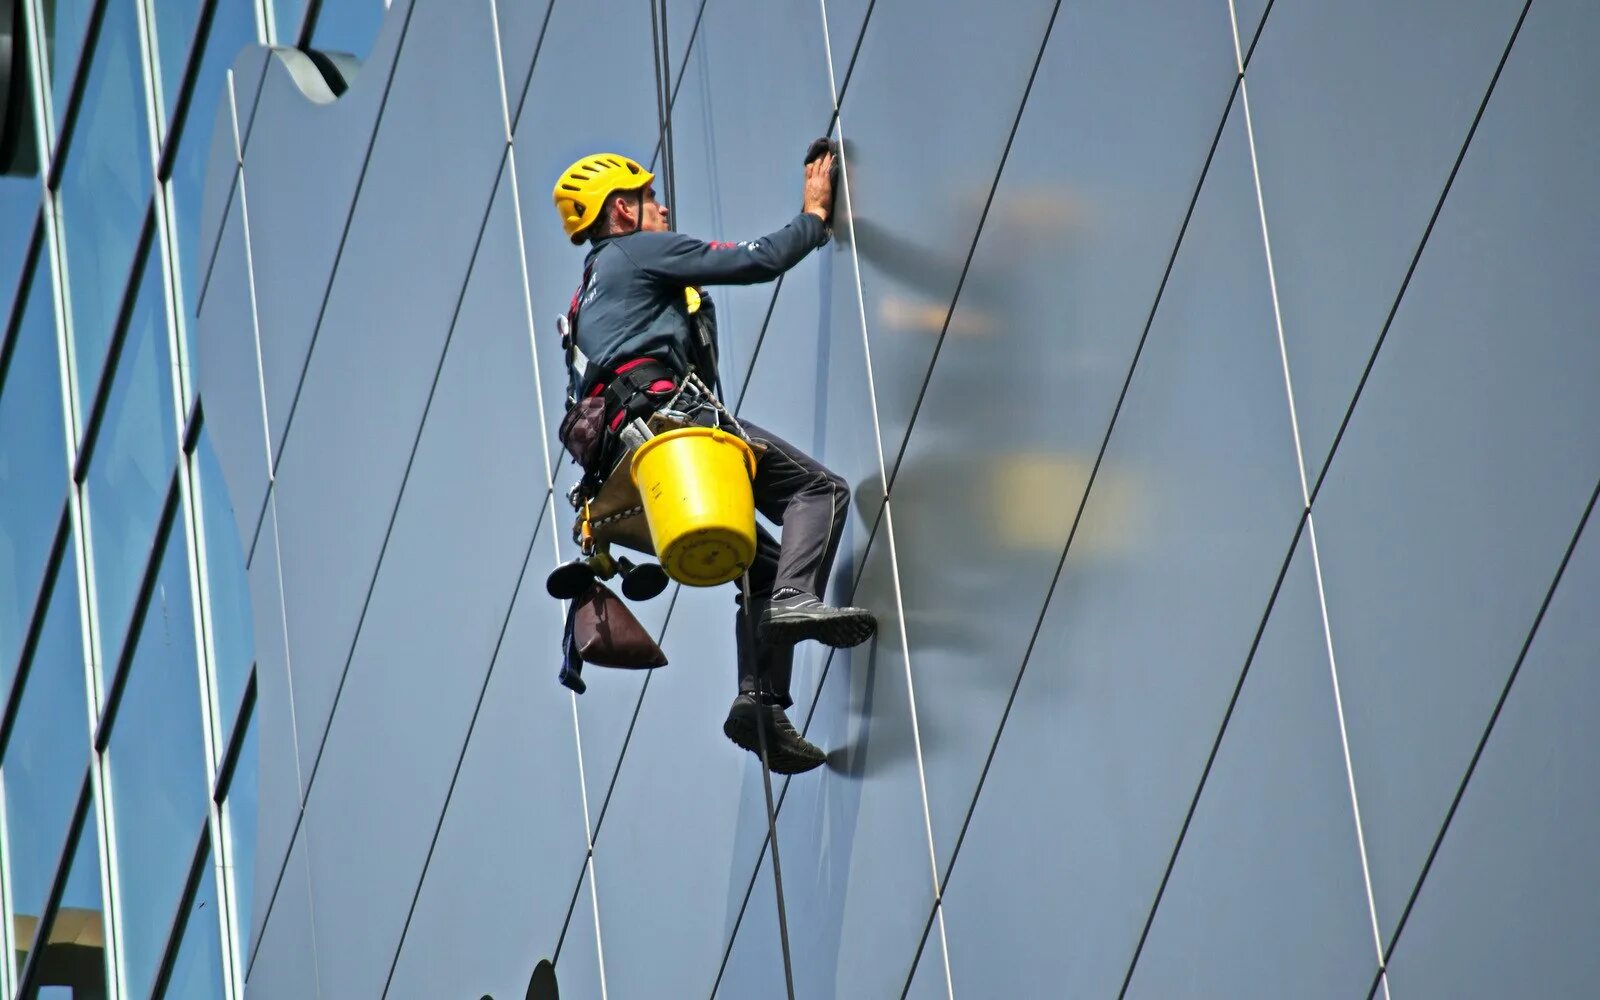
175	21
104	191
46	757
33	469
157	762
287	13
348	26
75	950
232	624
65	22
131	467
197	971
239	810
233	27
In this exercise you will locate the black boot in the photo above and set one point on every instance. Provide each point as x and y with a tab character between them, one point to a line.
787	751
797	616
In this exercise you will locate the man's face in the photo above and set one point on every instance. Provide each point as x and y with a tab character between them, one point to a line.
655	213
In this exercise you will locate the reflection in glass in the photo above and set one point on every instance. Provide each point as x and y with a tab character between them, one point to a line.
228	588
157	763
73	965
348	26
19	206
197	970
233	26
65	22
239	814
33	469
175	22
131	466
287	14
46	757
104	191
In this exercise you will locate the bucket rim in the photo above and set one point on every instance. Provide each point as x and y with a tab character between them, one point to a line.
715	433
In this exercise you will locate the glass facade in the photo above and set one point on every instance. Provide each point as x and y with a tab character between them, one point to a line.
127	746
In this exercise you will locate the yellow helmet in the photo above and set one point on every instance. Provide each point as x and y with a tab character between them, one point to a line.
585	186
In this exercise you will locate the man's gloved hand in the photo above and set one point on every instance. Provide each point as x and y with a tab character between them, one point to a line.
822	175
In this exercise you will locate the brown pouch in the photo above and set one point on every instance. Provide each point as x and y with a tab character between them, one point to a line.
583	431
607	634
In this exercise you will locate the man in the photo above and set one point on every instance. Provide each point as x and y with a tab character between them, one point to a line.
638	326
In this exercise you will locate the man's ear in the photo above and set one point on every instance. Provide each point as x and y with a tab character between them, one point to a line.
625	212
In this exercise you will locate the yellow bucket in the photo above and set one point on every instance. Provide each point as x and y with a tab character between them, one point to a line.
695	486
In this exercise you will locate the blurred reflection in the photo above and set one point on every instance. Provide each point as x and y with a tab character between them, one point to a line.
157	766
46	756
33	477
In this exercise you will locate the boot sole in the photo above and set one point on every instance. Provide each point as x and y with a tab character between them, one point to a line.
838	631
742	731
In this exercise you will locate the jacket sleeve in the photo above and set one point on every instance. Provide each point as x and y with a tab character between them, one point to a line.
678	258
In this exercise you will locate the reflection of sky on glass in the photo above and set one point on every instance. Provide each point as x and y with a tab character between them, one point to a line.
157	758
232	624
48	752
348	26
241	806
233	27
104	191
32	469
132	465
197	971
174	30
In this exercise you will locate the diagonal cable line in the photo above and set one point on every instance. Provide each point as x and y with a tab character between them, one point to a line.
1483	740
384	547
461	757
1416	257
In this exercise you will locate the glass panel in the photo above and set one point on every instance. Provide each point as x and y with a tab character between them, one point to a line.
65	22
287	14
45	757
175	22
131	466
157	761
197	971
74	962
233	26
33	466
19	206
239	814
232	625
104	190
348	26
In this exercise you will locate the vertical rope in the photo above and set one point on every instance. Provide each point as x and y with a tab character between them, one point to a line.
766	785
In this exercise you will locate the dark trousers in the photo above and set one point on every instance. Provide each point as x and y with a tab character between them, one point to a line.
793	490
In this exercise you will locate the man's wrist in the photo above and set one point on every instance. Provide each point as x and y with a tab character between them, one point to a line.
820	212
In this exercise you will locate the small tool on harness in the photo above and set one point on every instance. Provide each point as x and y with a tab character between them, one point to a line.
641	581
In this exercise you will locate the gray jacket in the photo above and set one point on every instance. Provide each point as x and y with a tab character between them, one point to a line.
631	303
